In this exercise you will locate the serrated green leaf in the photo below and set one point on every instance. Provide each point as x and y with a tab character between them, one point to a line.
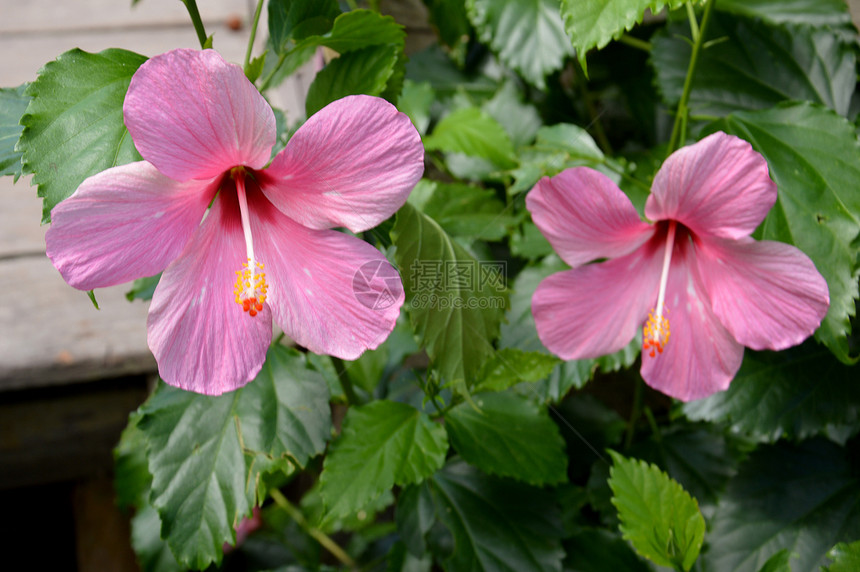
498	524
814	158
528	35
806	12
658	516
467	211
846	557
509	436
510	366
797	497
455	320
796	393
13	103
206	454
360	71
73	126
755	66
382	444
779	562
472	132
297	19
592	23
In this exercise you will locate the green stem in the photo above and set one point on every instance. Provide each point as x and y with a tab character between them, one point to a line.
191	6
679	129
635	42
268	79
318	535
250	49
345	382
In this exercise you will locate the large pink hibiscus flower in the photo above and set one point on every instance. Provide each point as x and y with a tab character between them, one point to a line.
263	251
696	267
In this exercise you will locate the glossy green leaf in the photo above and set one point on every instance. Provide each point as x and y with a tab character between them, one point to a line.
508	436
382	444
13	102
455	302
802	498
467	211
206	454
296	19
498	524
359	29
472	132
510	366
528	35
73	126
814	158
846	557
755	66
806	12
796	393
593	23
364	71
658	516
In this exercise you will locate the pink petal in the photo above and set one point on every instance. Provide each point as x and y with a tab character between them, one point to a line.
330	292
352	164
124	223
717	187
194	116
597	309
201	339
585	216
701	356
767	294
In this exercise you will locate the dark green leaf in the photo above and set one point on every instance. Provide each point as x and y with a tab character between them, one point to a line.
73	126
529	243
814	158
598	550
806	12
498	524
528	35
467	211
415	516
658	516
456	317
360	71
796	393
802	498
366	372
509	436
472	132
382	444
450	19
131	475
510	366
556	148
433	65
755	66
779	562
153	553
359	29
13	102
846	557
296	19
206	454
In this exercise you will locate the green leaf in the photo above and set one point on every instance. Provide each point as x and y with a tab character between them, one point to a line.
592	23
556	148
528	35
73	126
382	444
153	553
658	516
814	158
296	19
467	211
361	71
598	550
92	296
415	101
143	288
366	371
359	29
207	454
796	393
415	515
497	524
13	102
802	498
509	436
456	318
755	66
520	120
131	475
510	366
846	557
472	132
779	562
806	12
450	20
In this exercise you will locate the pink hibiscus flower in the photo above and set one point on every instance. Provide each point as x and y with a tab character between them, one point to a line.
696	267
264	250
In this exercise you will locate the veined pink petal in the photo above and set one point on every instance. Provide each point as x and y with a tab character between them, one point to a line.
717	187
194	116
201	339
701	356
597	309
124	223
585	216
352	164
767	294
330	292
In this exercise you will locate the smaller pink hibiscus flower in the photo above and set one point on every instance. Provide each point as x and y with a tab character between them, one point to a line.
264	250
696	267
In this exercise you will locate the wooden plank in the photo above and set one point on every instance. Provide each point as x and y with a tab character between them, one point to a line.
20	213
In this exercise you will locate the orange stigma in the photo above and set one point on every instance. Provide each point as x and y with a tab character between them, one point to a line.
655	334
251	288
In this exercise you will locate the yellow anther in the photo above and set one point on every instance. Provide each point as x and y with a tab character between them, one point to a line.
250	288
655	334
